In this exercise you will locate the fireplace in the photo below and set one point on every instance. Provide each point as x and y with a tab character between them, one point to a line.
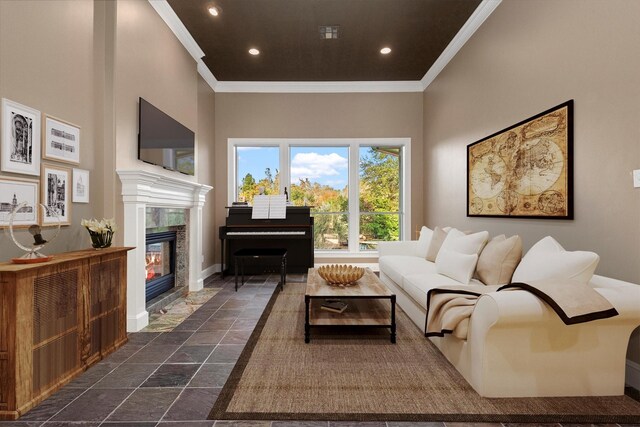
160	263
140	190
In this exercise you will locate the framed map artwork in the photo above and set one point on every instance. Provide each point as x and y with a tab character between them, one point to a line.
525	170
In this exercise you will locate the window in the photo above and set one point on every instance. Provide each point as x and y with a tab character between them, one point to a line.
358	189
320	178
379	195
257	171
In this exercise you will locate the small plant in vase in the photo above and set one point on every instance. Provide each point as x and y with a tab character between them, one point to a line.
101	232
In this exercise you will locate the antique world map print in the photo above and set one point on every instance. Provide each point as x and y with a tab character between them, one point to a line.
524	170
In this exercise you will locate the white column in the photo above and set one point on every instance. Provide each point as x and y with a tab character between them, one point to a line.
134	235
196	256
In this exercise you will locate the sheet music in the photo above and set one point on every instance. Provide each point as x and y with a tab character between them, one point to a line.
278	206
260	208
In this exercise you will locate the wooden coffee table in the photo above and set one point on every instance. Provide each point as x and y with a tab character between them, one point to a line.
366	304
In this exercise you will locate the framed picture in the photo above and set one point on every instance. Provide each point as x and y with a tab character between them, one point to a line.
525	170
20	145
61	141
55	182
14	192
80	186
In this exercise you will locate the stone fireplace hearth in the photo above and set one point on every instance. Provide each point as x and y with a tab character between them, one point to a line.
142	190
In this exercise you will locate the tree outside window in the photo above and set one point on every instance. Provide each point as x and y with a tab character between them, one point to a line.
258	171
319	178
379	195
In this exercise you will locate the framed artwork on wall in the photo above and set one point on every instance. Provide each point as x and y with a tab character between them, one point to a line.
61	141
55	182
20	144
80	186
525	170
14	192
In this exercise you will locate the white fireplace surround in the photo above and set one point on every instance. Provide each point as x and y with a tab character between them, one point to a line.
143	189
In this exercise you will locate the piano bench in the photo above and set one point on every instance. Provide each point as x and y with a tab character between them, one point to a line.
241	255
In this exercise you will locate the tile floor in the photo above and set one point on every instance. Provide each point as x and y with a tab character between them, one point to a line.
177	311
173	378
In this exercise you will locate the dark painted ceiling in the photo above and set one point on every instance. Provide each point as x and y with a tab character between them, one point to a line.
287	34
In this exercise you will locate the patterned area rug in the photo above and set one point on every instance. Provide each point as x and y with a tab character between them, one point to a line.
363	377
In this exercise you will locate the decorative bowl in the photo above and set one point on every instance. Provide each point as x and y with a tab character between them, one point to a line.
340	275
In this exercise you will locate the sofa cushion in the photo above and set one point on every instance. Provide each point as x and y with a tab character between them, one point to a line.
499	259
438	237
423	241
417	285
469	244
456	265
397	266
547	259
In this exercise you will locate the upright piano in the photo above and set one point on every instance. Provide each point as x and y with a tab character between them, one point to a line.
294	233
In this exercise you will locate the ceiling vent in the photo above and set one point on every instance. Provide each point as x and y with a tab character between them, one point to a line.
328	31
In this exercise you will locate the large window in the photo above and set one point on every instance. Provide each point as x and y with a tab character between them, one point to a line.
258	171
380	194
358	188
320	178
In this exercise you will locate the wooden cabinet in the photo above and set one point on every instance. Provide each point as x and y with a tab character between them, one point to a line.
56	319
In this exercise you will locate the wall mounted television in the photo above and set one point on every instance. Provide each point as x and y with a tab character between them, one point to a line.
164	141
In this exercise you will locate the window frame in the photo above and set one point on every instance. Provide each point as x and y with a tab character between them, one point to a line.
354	145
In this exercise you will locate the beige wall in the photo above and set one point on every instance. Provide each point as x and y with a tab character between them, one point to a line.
527	57
150	62
345	115
88	62
51	70
206	166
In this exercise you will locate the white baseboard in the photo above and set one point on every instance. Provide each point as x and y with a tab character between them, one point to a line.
138	322
632	374
212	269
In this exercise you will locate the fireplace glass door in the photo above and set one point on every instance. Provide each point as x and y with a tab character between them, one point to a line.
160	263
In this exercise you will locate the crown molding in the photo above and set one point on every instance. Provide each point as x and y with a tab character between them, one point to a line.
175	24
170	18
318	87
482	12
207	75
477	18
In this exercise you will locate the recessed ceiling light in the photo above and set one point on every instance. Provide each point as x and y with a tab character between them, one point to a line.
254	51
385	50
214	11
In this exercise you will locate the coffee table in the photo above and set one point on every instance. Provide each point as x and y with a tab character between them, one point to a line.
366	304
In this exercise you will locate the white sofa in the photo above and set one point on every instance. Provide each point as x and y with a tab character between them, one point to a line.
516	345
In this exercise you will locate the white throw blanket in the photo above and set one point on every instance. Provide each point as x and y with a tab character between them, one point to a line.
449	308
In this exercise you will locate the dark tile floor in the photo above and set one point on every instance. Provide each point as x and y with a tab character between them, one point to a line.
173	378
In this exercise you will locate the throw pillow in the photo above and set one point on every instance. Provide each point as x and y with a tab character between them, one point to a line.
423	241
499	259
469	244
436	241
547	259
456	265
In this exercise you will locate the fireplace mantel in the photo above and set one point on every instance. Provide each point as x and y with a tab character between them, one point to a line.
142	189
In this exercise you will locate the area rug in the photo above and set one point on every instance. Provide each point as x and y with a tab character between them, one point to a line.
363	377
